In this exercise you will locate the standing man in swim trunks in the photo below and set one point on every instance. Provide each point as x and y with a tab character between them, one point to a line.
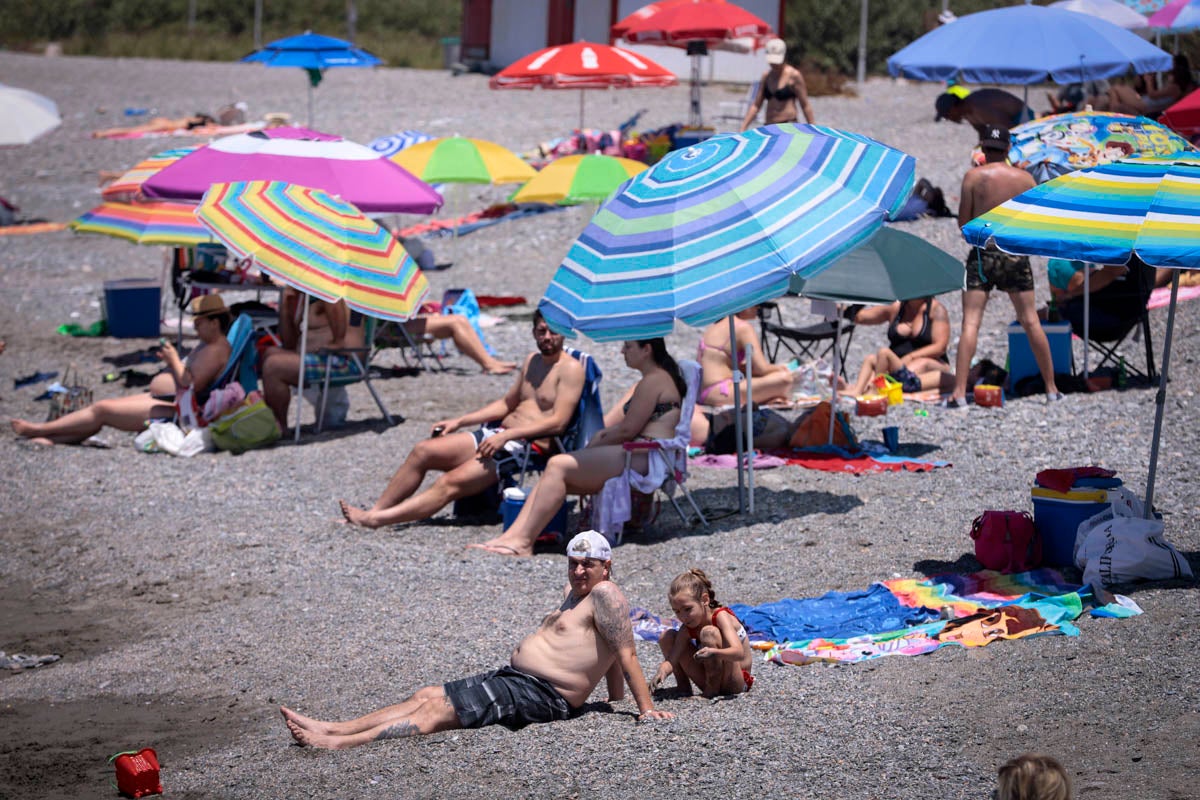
539	405
983	188
783	88
551	673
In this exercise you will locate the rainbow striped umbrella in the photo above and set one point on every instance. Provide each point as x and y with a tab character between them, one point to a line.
129	185
457	159
317	243
722	225
578	179
1143	207
145	223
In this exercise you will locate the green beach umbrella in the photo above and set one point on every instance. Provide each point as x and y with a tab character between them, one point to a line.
578	179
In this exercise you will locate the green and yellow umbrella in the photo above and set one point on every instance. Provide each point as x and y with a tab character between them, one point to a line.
578	179
458	159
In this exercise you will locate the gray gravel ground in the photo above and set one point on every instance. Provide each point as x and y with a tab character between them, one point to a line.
190	597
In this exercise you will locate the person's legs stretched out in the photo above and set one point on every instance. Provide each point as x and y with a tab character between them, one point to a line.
428	710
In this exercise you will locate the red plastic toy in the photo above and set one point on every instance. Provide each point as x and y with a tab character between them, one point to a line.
137	773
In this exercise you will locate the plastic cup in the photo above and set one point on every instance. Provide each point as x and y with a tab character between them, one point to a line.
891	438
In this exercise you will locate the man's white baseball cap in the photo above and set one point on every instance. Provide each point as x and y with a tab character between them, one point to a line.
590	544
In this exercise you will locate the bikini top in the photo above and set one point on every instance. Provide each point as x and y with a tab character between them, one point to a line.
903	345
700	351
660	410
782	94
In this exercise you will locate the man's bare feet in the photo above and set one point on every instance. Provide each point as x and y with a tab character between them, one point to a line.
307	738
306	723
356	516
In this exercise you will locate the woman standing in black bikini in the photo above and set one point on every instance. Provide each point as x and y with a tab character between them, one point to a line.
918	338
782	87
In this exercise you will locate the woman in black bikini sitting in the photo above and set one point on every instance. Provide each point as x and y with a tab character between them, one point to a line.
918	338
782	87
650	412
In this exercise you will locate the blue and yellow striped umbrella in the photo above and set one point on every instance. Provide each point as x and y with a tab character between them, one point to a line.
1143	207
1149	207
719	226
317	243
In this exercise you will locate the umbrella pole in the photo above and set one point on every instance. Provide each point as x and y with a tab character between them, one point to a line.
749	429
694	119
310	105
837	368
737	415
1160	398
300	377
1087	317
581	110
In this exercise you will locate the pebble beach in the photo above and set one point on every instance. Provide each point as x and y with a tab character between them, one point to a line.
189	598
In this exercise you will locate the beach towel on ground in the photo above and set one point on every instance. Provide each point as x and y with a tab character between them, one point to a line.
834	459
834	614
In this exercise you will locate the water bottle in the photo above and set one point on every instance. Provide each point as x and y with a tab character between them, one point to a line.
1122	377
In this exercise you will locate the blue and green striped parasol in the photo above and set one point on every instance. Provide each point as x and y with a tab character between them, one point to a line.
719	226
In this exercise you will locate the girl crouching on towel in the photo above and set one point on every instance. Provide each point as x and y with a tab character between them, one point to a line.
711	649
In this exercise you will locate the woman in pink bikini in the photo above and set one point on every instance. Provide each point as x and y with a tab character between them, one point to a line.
711	649
771	381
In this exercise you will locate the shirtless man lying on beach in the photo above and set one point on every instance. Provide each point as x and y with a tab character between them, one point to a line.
551	673
539	405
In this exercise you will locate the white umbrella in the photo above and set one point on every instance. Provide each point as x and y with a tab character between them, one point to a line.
1110	10
25	115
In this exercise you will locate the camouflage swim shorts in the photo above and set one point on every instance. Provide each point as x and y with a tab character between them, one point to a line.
991	269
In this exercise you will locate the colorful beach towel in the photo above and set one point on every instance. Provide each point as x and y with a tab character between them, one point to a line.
204	130
32	227
830	458
976	609
1161	297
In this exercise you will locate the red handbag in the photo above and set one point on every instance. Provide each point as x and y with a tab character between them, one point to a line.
1006	541
137	773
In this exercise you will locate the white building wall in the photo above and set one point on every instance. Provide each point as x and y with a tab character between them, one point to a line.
519	28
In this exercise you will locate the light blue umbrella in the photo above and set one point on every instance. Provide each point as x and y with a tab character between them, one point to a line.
714	228
722	225
1027	44
313	53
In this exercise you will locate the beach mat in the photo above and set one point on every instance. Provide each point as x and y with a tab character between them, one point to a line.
830	458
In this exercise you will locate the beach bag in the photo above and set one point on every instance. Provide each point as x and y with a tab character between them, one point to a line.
1119	545
812	429
771	430
76	397
137	772
246	427
1006	541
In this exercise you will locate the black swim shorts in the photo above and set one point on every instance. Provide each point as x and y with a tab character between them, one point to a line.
991	269
507	697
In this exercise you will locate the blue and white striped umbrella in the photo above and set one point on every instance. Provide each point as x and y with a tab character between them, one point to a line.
719	226
388	146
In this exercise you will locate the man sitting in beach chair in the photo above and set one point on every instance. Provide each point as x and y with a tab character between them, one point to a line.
538	406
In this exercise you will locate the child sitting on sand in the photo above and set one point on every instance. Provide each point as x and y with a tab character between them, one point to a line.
711	649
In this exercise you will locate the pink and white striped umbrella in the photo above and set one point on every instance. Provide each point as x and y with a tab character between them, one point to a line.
351	171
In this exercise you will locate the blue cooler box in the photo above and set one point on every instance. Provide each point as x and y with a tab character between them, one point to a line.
132	308
1020	358
1056	516
510	506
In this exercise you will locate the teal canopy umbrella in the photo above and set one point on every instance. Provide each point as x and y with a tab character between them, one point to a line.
892	265
313	53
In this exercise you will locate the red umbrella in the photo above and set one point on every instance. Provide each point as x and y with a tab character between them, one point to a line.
695	24
678	22
1184	116
583	65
